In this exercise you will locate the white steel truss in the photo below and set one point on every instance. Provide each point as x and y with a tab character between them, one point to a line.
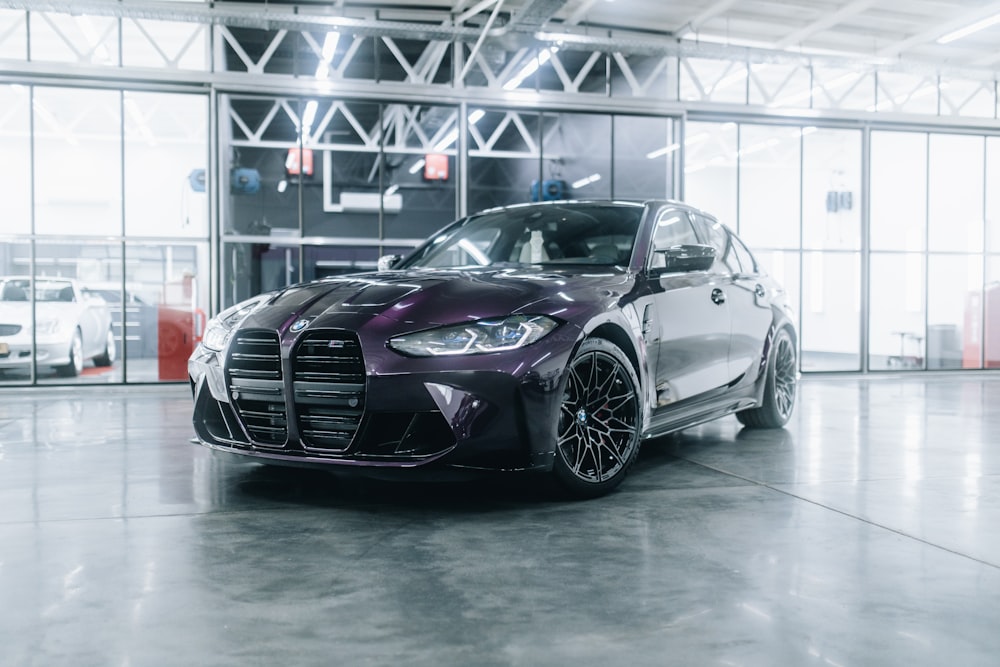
448	63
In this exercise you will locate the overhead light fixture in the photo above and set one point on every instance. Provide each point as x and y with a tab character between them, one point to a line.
448	139
660	152
530	68
391	190
593	178
969	29
417	166
329	49
309	116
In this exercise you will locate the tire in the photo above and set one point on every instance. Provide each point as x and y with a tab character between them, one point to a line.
599	421
779	387
75	365
110	353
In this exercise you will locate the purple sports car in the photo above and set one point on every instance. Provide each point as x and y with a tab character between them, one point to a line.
552	337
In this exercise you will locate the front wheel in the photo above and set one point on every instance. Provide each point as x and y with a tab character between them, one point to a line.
779	386
75	365
600	419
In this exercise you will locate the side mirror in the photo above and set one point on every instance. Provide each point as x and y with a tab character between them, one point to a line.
686	258
386	262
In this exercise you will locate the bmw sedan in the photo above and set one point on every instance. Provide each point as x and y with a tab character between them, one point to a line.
552	337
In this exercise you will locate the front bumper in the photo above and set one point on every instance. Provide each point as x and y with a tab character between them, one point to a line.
492	412
15	351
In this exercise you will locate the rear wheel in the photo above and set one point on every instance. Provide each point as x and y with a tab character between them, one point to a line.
779	387
75	365
110	353
597	435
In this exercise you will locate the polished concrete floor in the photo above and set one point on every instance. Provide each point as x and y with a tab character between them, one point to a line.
864	534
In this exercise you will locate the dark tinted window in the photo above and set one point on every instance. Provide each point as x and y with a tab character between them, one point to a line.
541	234
747	262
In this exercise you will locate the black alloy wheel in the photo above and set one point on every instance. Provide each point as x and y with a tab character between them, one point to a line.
597	435
779	388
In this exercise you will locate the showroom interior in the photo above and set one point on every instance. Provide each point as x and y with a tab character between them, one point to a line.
170	159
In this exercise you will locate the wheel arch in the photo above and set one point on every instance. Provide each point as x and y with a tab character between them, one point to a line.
615	334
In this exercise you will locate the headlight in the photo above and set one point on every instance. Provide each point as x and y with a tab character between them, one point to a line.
220	328
482	337
48	327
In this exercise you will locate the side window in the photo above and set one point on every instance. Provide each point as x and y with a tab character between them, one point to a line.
714	234
672	228
745	258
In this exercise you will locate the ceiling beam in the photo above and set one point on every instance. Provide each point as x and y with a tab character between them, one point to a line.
829	20
941	29
694	24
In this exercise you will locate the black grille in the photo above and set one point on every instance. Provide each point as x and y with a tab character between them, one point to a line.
329	381
9	329
256	387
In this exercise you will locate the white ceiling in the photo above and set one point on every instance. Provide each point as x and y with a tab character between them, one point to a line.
904	31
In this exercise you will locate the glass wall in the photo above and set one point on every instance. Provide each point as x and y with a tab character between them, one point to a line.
898	239
991	290
643	160
104	265
831	241
505	159
323	186
110	188
794	194
929	194
797	197
15	146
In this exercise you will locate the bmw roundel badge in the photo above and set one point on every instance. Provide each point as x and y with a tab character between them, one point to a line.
299	325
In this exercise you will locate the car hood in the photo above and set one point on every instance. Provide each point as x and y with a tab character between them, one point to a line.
437	297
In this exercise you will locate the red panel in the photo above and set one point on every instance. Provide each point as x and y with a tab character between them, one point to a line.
299	161
175	331
435	167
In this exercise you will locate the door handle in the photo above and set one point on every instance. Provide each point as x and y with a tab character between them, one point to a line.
759	290
718	296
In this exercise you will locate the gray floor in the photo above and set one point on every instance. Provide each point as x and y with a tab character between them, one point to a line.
864	534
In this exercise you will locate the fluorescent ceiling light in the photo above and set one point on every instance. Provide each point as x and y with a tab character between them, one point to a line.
726	41
450	138
309	116
530	68
417	166
593	178
969	29
330	45
660	152
329	49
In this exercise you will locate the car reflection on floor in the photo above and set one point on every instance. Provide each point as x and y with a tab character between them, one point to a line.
136	370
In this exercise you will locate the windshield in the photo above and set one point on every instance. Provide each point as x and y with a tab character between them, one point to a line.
18	289
593	234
